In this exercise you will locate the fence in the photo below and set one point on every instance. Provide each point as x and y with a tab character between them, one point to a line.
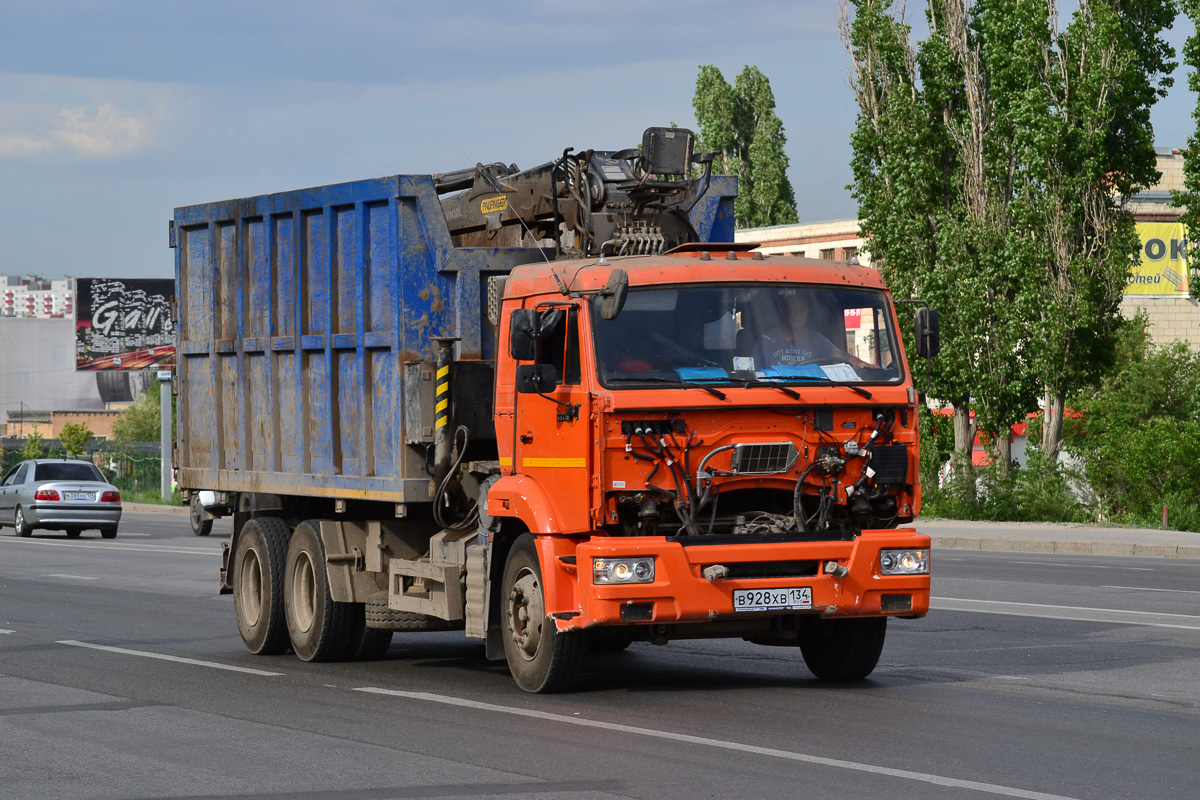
135	468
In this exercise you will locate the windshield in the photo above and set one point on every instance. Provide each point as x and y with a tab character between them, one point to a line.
79	471
781	333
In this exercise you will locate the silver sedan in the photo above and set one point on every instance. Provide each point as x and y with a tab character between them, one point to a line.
58	494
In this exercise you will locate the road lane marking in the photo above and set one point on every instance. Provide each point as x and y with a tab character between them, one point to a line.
937	780
1084	566
1070	613
177	659
1144	589
131	548
71	577
6	632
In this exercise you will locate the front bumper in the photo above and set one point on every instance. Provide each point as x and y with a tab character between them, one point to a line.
681	593
89	515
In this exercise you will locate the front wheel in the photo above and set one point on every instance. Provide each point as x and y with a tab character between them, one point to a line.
318	627
540	658
843	649
258	564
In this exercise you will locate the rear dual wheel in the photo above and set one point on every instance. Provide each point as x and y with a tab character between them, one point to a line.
319	628
258	567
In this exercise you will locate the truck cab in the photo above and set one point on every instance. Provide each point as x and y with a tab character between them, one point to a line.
712	443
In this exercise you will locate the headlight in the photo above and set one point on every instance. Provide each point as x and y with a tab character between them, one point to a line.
623	570
904	562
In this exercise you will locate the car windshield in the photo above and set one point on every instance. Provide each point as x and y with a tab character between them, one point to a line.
79	471
779	333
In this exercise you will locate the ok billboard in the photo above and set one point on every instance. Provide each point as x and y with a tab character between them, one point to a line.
124	324
1163	269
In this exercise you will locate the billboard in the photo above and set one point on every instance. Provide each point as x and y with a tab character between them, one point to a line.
124	324
1163	269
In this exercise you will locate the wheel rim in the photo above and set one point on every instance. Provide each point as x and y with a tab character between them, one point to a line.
196	515
525	613
19	522
250	588
304	592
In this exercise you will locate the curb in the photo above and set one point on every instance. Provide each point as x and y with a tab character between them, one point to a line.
1068	547
154	508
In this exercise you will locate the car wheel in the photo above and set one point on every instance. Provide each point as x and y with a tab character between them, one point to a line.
200	525
318	627
22	527
73	533
110	532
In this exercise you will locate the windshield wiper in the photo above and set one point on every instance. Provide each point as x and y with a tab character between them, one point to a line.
817	379
792	393
681	384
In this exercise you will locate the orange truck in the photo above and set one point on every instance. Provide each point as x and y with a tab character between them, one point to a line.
552	408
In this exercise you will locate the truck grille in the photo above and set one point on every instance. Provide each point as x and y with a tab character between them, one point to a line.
763	459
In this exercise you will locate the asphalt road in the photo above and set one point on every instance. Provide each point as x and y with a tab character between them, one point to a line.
1036	676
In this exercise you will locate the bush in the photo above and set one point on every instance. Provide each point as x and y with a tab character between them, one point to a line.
1141	436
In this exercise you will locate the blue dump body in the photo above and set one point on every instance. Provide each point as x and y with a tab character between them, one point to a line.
297	313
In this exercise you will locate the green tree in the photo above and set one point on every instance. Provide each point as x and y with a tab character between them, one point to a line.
991	163
739	123
32	447
141	421
75	438
1189	198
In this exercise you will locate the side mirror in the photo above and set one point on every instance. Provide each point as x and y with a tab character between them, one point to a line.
928	333
614	294
536	378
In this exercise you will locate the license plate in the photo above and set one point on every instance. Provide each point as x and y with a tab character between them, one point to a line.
79	496
786	599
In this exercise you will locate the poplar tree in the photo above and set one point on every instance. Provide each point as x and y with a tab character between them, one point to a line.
739	123
1189	198
992	163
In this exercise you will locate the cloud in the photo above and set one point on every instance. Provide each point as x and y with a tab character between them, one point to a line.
107	133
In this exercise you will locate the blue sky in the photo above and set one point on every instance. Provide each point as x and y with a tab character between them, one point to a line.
113	113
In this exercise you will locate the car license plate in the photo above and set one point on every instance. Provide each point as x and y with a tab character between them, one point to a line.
79	496
786	599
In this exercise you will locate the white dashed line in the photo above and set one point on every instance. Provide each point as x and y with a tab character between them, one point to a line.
1071	613
121	548
4	631
937	780
176	659
71	577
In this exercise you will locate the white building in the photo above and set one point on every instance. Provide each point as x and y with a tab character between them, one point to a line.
35	297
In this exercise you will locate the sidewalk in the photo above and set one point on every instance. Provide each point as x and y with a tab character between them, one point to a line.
1051	537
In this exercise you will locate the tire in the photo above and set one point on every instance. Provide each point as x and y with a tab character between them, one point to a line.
200	525
319	628
365	644
843	649
258	566
110	532
73	533
602	641
540	658
378	615
20	526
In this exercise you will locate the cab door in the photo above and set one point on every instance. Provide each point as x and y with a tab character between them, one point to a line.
553	445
